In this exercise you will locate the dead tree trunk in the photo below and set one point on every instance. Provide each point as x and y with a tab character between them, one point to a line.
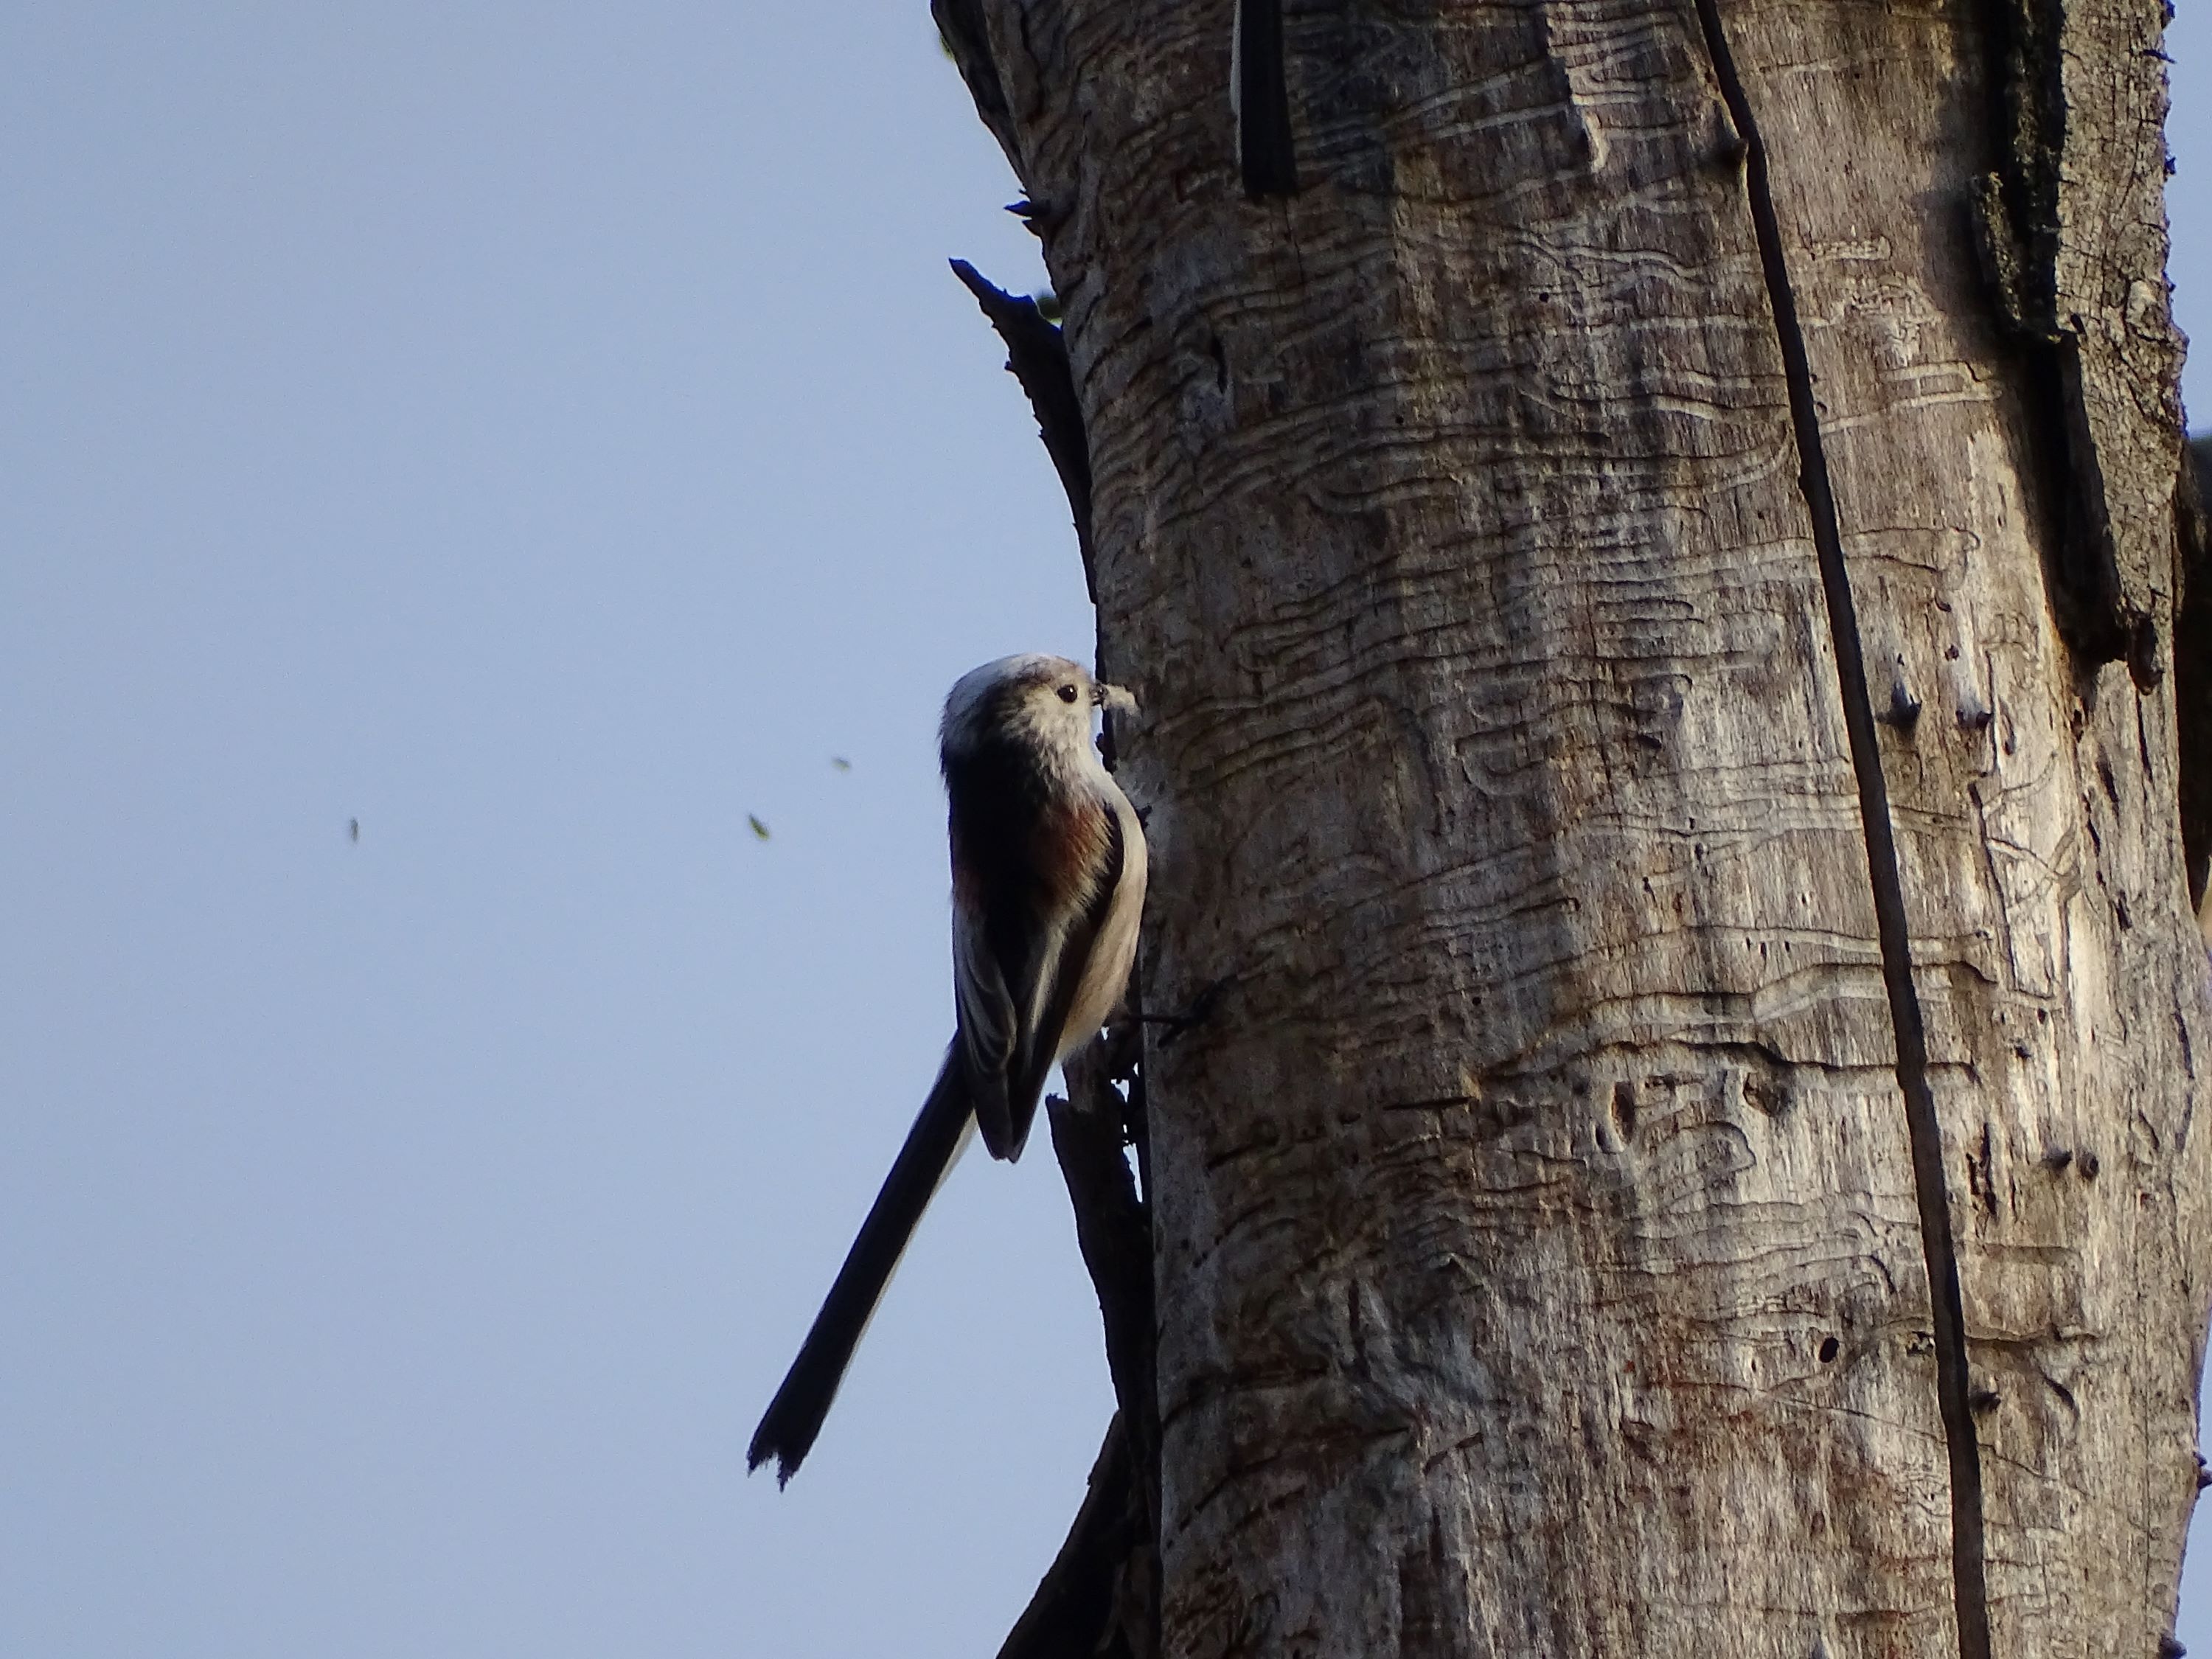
1651	575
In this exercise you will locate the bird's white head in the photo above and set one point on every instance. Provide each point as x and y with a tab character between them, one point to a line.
1035	702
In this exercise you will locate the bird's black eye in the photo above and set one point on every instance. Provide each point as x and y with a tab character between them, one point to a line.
1067	694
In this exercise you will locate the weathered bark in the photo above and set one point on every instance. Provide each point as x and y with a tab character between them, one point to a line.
1546	1218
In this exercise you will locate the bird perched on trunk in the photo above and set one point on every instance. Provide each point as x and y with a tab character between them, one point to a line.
1048	886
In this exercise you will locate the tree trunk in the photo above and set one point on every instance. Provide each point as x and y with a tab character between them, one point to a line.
1651	581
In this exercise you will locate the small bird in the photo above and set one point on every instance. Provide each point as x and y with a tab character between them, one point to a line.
1047	888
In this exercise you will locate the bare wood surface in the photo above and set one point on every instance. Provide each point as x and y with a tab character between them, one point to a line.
2033	805
1543	1267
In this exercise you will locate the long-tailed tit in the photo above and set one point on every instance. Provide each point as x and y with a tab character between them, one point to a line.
1048	887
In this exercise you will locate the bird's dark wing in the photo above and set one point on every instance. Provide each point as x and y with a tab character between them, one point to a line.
795	1417
1059	973
989	1029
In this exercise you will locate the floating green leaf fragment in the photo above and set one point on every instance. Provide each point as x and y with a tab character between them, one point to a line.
841	762
760	830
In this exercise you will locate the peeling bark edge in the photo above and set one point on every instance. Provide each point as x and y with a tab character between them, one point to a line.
1969	1586
1074	1609
2017	229
1101	1596
1113	1230
1036	356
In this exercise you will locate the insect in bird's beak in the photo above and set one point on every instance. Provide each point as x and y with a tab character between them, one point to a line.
1113	697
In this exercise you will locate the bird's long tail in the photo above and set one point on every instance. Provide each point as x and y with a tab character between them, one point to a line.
795	1417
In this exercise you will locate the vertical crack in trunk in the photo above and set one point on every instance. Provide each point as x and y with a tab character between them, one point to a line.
1968	1586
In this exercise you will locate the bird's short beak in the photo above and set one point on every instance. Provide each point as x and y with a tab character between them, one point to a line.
1113	697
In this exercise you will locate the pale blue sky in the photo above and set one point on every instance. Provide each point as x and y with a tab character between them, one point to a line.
548	437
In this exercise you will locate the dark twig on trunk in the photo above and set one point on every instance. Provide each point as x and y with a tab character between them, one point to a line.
1267	154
